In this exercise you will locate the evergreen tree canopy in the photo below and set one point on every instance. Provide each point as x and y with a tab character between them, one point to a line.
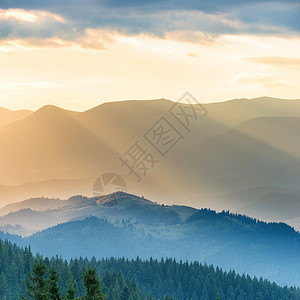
37	284
53	288
165	279
71	292
92	285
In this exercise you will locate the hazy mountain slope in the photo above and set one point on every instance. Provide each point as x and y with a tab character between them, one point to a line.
77	147
55	143
132	226
259	152
16	230
8	116
39	204
119	206
98	235
37	214
229	241
122	122
267	203
113	127
237	111
160	277
54	188
28	219
48	144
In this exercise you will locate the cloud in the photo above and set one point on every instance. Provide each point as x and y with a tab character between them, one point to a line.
44	29
91	39
275	60
141	5
18	23
196	37
47	28
261	79
192	54
39	84
67	22
22	15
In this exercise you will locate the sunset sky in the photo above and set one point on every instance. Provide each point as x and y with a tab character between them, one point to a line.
78	54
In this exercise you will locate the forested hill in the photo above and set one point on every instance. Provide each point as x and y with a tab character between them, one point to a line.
222	239
130	226
139	280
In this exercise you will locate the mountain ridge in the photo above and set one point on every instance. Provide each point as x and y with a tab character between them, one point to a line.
77	147
8	116
222	238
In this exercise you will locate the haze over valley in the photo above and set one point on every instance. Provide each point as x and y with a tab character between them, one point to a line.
242	156
150	150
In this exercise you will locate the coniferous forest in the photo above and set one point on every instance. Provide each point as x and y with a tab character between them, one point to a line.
23	275
149	150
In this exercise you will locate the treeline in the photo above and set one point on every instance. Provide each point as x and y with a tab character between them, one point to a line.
123	279
42	287
26	276
194	281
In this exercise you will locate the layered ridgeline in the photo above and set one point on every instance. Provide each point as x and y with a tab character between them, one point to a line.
137	279
17	269
125	225
8	116
243	156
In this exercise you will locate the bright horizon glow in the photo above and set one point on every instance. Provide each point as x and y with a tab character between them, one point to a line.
105	65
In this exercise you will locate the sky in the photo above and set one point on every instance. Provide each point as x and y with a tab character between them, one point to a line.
79	54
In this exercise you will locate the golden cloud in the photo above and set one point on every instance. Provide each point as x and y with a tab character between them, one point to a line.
31	16
275	60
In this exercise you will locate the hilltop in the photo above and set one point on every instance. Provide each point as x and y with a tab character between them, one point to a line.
125	225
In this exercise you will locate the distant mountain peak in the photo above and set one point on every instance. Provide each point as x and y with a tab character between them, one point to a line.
49	108
8	116
119	197
3	109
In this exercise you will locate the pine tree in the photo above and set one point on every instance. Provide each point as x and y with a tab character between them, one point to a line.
125	293
194	296
52	285
107	279
150	296
37	284
71	292
92	285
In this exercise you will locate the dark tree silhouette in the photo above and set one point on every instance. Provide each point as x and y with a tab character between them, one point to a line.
37	284
92	285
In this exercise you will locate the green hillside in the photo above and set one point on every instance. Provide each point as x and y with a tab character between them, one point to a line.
136	279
